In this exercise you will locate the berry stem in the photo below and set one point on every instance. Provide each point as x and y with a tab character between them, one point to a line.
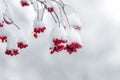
57	18
5	3
53	17
16	26
43	12
63	9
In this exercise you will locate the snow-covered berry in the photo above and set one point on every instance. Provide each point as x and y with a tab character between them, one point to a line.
39	27
58	39
74	41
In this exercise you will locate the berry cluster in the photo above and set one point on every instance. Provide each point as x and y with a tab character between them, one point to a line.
73	47
59	45
21	45
24	3
38	31
49	9
1	24
3	39
13	52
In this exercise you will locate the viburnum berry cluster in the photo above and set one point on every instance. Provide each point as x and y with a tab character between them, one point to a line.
63	37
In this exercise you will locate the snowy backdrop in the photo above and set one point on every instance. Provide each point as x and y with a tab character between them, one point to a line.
99	59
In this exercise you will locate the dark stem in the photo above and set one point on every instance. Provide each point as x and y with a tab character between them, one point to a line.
66	16
62	6
53	17
5	3
16	26
57	18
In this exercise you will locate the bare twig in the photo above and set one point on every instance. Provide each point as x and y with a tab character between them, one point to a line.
57	18
53	17
16	26
5	3
62	6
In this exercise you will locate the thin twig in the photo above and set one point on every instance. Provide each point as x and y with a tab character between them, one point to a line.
66	16
43	12
16	26
58	4
53	17
57	18
63	11
5	3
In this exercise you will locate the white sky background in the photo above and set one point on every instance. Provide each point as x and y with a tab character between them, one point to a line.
98	60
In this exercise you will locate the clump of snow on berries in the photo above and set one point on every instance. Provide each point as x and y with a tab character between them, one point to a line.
11	48
74	41
15	40
75	21
58	39
39	27
22	42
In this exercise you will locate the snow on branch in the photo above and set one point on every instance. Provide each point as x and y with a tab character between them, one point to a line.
63	37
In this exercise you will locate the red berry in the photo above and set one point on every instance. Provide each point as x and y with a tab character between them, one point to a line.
21	45
15	51
24	3
73	47
35	35
3	39
38	31
51	9
1	25
42	29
